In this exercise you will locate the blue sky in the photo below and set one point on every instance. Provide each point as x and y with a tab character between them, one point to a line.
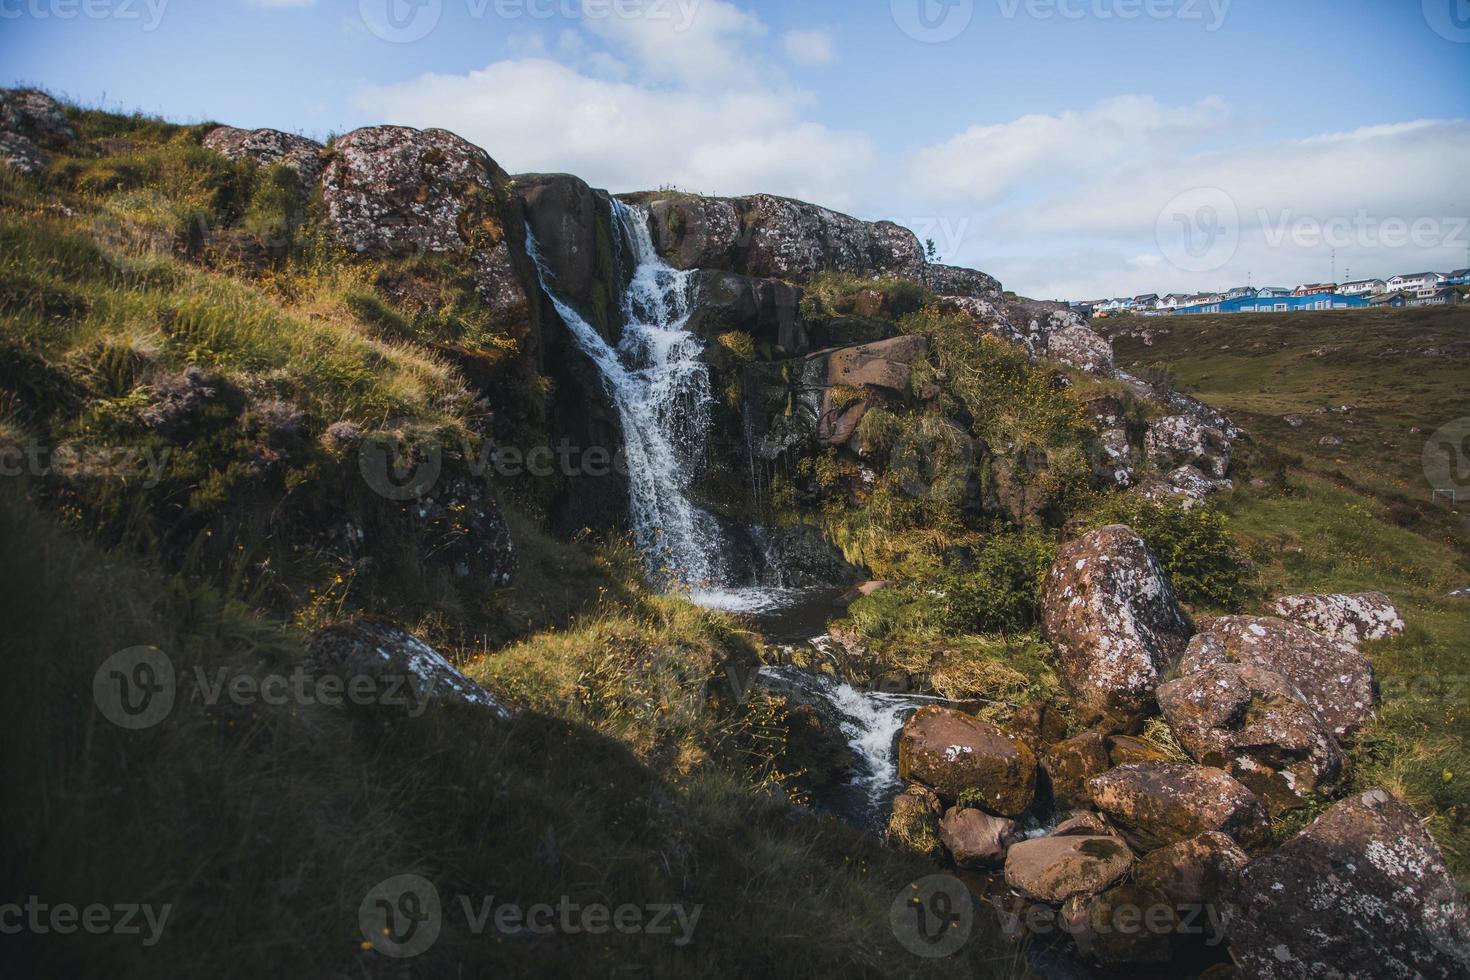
1072	147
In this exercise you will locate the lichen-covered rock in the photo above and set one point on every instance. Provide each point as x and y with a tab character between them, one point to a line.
1116	457
1083	823
1126	749
949	280
1161	803
1070	764
1349	618
1131	923
976	839
1185	484
1199	873
774	237
1077	346
913	824
1361	892
951	752
1255	725
395	667
1108	609
1334	679
269	147
36	116
1053	869
391	190
1182	440
23	155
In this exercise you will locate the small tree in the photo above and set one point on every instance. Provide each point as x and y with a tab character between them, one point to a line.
930	251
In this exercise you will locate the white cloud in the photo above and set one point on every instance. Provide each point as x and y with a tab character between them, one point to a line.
536	114
281	4
810	48
699	43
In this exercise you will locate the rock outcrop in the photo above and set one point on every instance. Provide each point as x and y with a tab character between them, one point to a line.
1255	725
1162	803
1349	618
31	123
1182	440
952	752
269	147
1361	892
582	245
1110	612
1334	679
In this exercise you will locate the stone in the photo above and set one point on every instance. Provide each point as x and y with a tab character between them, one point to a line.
1334	679
399	664
976	839
1082	824
1038	724
1053	869
1160	803
948	280
1070	764
1131	923
769	310
1349	618
1123	749
1363	892
1198	873
1109	611
1182	440
36	116
952	752
574	227
23	155
1255	725
269	147
1077	346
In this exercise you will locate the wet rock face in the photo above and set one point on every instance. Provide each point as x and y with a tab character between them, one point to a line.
1363	891
581	244
269	147
777	238
1349	618
1054	869
1333	678
399	664
951	752
1255	725
1108	609
1181	440
1162	803
976	839
767	309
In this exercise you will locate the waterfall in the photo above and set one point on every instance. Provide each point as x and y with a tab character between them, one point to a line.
661	391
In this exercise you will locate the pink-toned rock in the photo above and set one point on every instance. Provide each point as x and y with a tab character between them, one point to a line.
952	752
1053	869
1110	612
1349	618
1161	803
976	839
1334	679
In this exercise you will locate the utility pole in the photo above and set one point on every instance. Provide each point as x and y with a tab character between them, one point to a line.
1334	266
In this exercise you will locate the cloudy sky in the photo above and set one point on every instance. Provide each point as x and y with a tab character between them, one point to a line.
1074	148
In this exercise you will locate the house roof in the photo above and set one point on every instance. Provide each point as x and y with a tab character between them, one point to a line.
1417	275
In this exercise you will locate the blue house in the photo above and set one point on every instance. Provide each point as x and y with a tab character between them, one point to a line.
1279	304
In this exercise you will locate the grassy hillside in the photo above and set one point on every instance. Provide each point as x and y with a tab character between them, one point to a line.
1356	516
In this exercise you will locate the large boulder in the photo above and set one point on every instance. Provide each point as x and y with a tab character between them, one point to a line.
391	190
395	667
269	147
976	839
1183	440
1131	923
1053	869
1077	346
952	752
778	238
1255	725
1349	618
1108	609
949	280
1071	763
1333	678
1362	892
1162	803
1200	873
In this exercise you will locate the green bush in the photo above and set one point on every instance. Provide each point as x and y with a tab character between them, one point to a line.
1195	546
1002	593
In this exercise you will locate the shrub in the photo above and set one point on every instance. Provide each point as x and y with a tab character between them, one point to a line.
1002	593
1195	546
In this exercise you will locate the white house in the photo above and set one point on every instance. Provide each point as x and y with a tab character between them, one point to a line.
1148	301
1173	301
1415	281
1273	292
1363	287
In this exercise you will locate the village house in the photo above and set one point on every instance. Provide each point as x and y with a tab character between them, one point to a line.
1415	281
1315	289
1363	287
